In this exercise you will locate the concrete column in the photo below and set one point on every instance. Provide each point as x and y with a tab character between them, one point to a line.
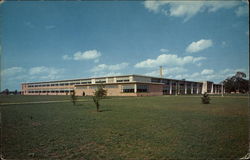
185	87
135	88
212	89
192	88
197	90
130	78
170	87
178	88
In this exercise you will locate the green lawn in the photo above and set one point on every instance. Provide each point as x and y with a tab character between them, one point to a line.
166	127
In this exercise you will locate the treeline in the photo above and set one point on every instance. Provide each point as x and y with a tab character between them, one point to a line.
7	92
237	83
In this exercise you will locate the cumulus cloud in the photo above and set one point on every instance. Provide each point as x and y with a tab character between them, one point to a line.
12	71
12	77
167	71
48	73
210	75
187	9
164	50
86	55
207	71
66	57
199	45
1	2
169	60
90	54
242	11
105	67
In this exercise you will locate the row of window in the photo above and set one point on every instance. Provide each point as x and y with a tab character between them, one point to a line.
72	83
122	80
95	87
57	84
50	91
165	81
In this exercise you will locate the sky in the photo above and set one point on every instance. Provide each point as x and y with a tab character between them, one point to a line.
56	40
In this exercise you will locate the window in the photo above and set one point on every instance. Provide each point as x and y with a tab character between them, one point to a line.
156	80
128	88
85	82
142	88
111	86
100	81
122	80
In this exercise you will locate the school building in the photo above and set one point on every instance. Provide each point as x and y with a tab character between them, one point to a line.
124	85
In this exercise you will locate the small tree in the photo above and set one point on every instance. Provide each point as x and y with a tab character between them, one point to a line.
205	99
99	94
73	97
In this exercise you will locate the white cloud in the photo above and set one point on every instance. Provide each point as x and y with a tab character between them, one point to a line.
12	71
66	57
96	60
209	75
167	71
105	67
187	9
242	11
90	54
223	43
48	73
14	76
199	45
199	64
169	60
207	71
105	74
164	50
2	1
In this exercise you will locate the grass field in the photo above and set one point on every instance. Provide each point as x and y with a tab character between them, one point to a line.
166	127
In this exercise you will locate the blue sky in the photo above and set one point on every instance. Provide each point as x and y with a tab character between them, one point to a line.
51	40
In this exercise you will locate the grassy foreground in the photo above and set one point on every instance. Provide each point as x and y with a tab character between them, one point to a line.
167	127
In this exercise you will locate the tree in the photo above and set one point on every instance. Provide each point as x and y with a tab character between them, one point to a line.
73	97
237	83
99	94
6	92
205	99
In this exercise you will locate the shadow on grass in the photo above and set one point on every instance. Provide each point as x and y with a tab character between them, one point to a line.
105	110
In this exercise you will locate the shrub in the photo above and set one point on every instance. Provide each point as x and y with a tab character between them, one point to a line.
205	99
73	98
98	95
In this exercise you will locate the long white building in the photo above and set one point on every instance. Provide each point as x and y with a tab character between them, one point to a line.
124	85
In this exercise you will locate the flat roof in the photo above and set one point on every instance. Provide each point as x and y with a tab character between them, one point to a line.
77	79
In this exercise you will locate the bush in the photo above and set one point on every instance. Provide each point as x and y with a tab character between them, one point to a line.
205	99
99	94
73	98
